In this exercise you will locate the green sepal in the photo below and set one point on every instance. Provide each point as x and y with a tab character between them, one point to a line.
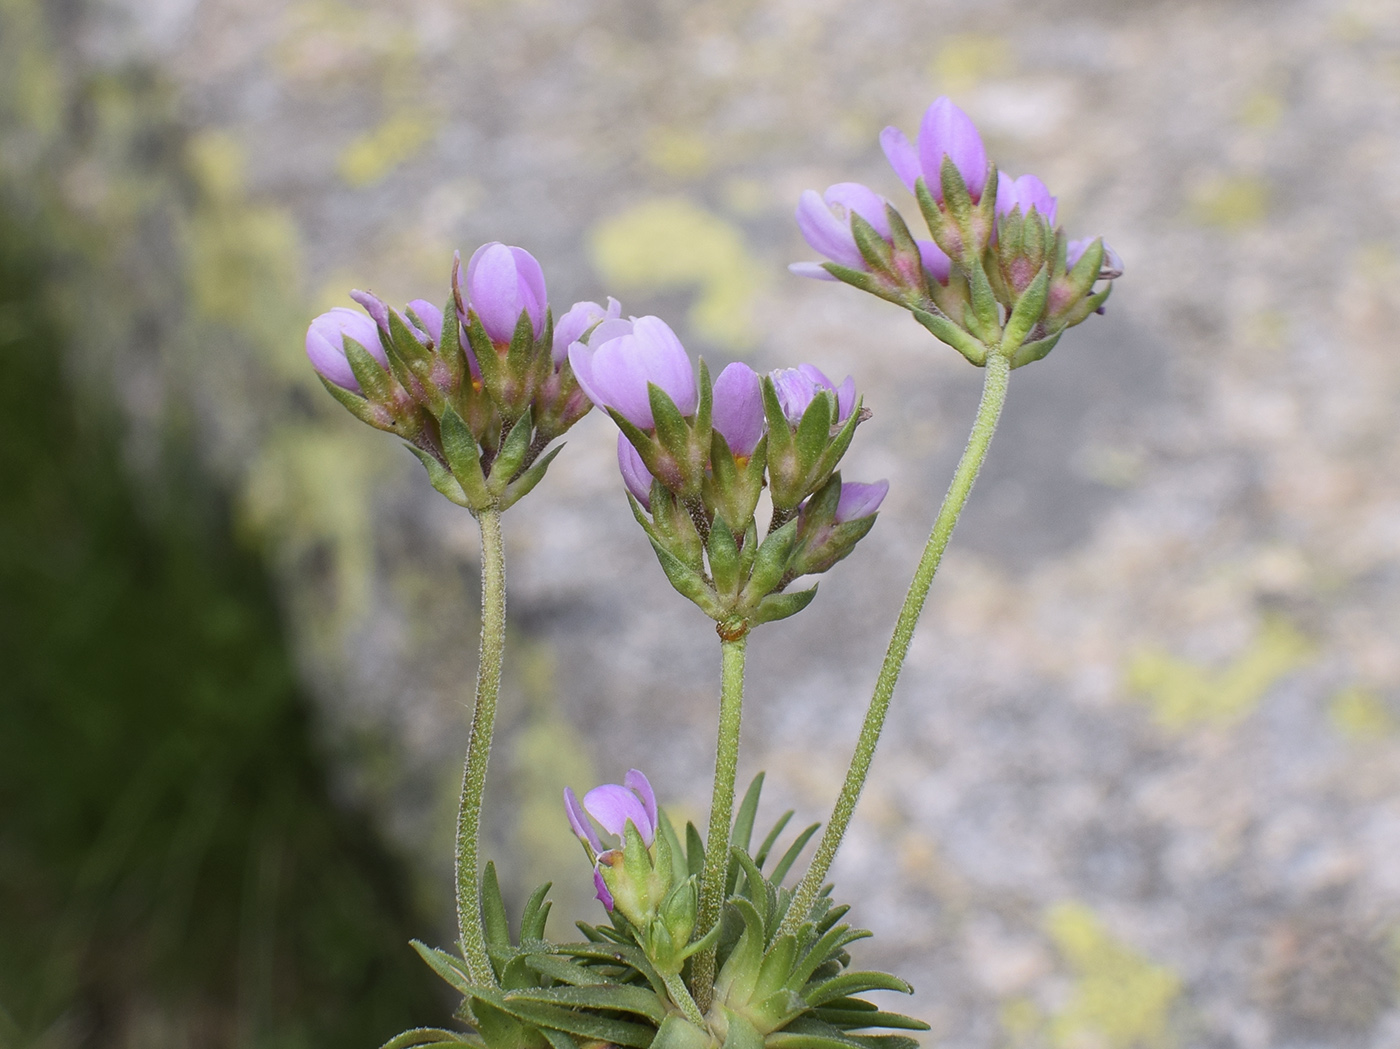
520	354
708	940
449	345
814	433
375	383
779	429
902	239
464	458
790	856
956	197
404	344
1026	313
680	871
493	908
748	812
1085	307
779	606
658	462
672	433
984	313
511	456
702	425
672	526
866	282
944	234
873	248
536	914
836	447
950	334
484	350
724	560
445	965
687	582
621	999
522	485
770	564
353	403
854	983
1087	267
679	1033
440	478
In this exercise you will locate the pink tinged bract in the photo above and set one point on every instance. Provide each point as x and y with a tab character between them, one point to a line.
622	357
614	806
1026	192
502	282
947	131
325	348
634	472
570	328
859	500
738	408
578	821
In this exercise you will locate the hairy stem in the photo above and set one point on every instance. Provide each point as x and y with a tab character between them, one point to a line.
716	870
470	924
988	412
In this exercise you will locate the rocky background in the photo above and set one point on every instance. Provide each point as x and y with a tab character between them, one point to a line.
1141	781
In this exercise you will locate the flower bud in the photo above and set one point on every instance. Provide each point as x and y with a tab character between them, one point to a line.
502	283
326	347
738	408
832	522
636	878
621	357
945	131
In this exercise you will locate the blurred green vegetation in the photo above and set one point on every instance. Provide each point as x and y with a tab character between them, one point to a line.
173	870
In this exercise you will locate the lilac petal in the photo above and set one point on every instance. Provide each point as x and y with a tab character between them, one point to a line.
853	197
668	365
581	316
947	131
638	784
578	820
815	270
581	362
603	895
845	399
826	232
1074	250
375	307
816	376
429	319
614	806
902	157
532	291
325	348
618	377
795	392
935	260
635	474
737	411
859	500
494	289
329	360
1025	192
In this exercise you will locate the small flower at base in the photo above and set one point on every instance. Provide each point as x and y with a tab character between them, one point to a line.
1111	267
798	386
502	283
832	522
326	348
636	877
810	425
860	500
614	806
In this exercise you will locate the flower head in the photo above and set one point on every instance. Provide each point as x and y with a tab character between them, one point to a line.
502	283
796	388
326	347
622	356
944	131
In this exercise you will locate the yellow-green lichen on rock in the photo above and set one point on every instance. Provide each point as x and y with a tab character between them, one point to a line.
1182	694
671	243
1120	999
1358	713
1230	202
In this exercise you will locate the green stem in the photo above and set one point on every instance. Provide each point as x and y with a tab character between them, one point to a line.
988	412
488	686
675	986
716	871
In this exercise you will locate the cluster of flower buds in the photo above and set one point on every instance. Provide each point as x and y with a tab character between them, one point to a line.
696	456
646	880
998	277
478	390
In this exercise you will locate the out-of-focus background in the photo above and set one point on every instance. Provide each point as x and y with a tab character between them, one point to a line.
1141	782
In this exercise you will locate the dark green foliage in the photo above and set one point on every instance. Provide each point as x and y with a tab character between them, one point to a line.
168	850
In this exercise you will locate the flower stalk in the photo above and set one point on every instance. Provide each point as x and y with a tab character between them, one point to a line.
470	922
984	426
716	869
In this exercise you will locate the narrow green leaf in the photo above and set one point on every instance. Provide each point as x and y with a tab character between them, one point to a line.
678	1033
536	913
525	483
694	849
564	971
748	811
777	964
558	1039
854	983
872	1017
827	947
617	998
742	1034
440	479
421	1036
493	908
375	383
585	1025
790	856
768	842
451	969
679	870
512	454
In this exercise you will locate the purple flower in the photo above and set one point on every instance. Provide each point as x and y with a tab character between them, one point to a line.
635	474
578	821
1112	266
326	348
825	222
614	806
604	897
571	327
622	356
1025	193
425	321
796	387
944	131
859	500
503	282
737	410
